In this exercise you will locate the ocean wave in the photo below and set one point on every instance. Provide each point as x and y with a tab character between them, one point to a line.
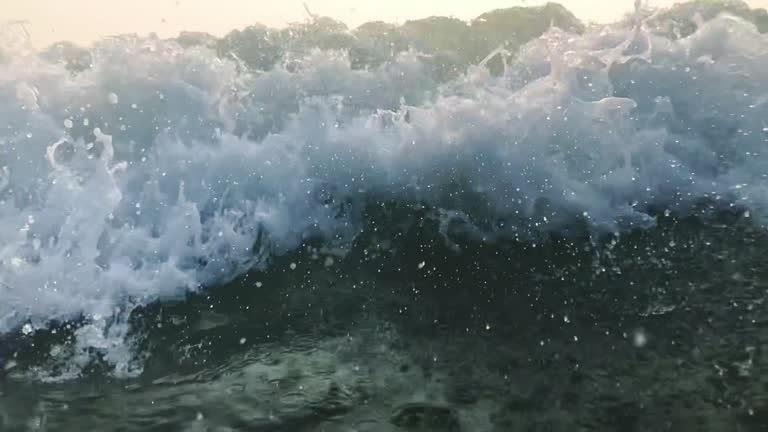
160	169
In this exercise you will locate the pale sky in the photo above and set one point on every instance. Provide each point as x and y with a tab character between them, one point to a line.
85	20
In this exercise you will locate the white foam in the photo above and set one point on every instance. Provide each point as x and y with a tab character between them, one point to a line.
198	171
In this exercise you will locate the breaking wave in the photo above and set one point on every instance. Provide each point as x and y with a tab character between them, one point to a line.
160	169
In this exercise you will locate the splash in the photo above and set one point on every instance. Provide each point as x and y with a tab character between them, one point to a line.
160	169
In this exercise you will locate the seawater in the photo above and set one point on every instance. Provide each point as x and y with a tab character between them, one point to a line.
575	241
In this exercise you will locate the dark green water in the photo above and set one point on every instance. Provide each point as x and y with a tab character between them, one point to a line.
662	329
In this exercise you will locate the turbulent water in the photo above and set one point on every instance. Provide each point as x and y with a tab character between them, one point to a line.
284	248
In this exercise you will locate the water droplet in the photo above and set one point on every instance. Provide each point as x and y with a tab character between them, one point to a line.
639	338
68	123
27	329
113	99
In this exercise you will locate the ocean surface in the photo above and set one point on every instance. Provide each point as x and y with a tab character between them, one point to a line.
389	229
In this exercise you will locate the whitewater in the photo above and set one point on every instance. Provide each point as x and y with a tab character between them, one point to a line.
162	170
